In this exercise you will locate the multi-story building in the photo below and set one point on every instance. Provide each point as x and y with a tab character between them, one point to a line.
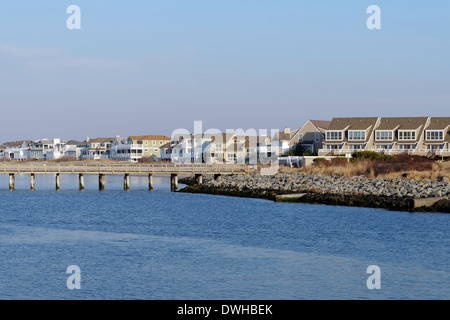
133	148
39	148
311	135
437	137
412	135
347	135
399	135
96	149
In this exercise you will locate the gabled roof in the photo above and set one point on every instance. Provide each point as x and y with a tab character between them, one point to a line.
352	123
150	137
17	143
321	124
438	123
121	140
101	140
73	142
403	123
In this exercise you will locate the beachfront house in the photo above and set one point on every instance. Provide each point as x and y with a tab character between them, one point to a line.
311	135
18	150
345	136
400	135
436	139
134	148
422	136
45	149
95	149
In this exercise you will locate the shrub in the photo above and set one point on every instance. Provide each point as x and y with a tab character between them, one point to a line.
319	160
368	155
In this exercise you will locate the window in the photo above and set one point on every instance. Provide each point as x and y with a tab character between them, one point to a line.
435	135
316	137
407	135
356	135
433	147
154	143
356	146
406	146
334	135
383	135
332	146
300	137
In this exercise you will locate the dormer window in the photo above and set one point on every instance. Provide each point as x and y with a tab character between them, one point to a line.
356	135
435	135
384	135
334	135
407	135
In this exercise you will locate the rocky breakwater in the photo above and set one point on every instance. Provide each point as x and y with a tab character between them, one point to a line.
394	194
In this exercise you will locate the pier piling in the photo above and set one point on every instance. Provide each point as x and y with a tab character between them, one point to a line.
174	182
32	182
58	181
81	182
11	182
126	182
101	182
150	181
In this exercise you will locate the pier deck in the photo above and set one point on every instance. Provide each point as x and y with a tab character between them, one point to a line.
125	169
121	168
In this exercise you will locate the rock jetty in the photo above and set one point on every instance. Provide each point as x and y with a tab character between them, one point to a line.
394	194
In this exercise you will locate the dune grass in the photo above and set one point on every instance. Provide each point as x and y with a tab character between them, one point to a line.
402	166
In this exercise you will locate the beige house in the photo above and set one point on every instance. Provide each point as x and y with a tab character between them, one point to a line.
437	137
399	135
348	135
412	135
311	135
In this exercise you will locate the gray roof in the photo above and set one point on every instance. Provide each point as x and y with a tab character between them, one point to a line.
121	140
73	142
352	123
321	124
403	123
439	123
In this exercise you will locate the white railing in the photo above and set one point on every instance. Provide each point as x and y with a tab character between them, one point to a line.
443	152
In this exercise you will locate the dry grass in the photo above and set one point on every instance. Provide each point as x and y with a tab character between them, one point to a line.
414	169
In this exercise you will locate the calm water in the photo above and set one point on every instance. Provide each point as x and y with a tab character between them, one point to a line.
164	245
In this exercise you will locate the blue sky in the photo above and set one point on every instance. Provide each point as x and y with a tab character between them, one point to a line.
149	67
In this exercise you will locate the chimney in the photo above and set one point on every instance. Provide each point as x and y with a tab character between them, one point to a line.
87	139
287	130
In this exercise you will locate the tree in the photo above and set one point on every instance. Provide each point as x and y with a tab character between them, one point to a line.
298	150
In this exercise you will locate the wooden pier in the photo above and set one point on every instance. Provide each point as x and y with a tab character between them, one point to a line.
125	169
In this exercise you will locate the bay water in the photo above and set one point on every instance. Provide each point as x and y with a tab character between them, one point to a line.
139	244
